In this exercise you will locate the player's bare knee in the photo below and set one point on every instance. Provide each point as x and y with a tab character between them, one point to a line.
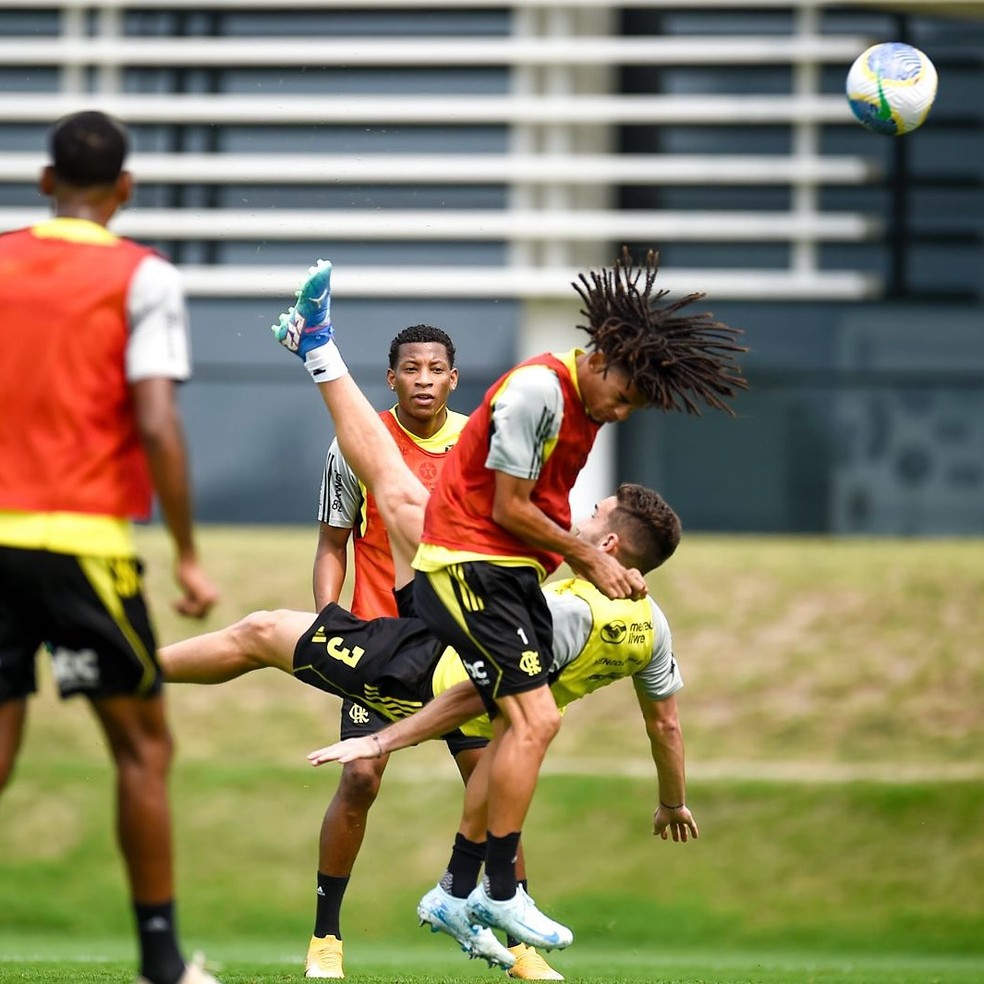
538	729
360	782
255	635
145	747
547	725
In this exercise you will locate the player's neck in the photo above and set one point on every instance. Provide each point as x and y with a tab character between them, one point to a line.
81	209
422	428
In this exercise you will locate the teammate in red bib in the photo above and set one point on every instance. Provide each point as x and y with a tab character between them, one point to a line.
95	338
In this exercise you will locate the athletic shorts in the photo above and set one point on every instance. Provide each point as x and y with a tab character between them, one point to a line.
358	721
384	664
88	612
496	618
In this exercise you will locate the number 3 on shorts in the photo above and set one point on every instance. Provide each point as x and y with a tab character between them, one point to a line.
337	651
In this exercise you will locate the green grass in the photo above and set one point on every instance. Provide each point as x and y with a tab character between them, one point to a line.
245	963
834	737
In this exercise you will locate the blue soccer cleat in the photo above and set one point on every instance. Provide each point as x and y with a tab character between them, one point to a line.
446	914
520	918
307	325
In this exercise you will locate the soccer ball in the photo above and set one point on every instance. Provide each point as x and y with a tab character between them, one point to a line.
891	88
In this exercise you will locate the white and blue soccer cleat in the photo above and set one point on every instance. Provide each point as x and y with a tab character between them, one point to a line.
307	325
446	914
518	917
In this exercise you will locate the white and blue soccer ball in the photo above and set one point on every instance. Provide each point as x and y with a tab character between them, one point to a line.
891	88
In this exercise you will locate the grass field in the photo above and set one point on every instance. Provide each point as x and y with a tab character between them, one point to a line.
835	740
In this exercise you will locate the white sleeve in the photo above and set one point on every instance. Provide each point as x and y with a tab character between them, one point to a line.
158	345
340	500
660	677
572	621
526	418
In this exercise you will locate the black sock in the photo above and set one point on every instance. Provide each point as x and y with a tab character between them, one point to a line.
160	958
511	940
327	919
500	865
463	868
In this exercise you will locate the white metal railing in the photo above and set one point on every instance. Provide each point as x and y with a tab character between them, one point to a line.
522	283
477	225
561	168
401	169
447	111
351	52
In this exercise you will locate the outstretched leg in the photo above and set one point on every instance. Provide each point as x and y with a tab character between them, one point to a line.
260	639
373	455
368	447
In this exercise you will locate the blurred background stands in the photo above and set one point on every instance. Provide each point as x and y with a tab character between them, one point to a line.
461	162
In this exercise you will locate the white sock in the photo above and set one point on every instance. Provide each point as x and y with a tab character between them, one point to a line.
325	363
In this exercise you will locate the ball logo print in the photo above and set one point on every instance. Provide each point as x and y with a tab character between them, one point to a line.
891	88
614	632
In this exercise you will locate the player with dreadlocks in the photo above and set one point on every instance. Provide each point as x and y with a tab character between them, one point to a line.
498	522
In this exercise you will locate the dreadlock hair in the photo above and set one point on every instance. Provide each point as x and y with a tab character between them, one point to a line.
648	529
673	359
421	333
88	149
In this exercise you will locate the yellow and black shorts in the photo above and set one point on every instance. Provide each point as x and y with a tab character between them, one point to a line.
383	664
90	615
358	722
496	618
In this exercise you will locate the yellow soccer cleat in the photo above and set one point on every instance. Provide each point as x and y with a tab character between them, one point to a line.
324	957
530	966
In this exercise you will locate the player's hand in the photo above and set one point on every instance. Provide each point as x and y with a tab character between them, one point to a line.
611	578
679	823
365	747
198	593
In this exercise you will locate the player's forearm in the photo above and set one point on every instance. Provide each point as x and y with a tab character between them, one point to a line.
666	743
168	465
446	712
528	523
329	576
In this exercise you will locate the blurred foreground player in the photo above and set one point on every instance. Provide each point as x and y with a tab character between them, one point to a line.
94	338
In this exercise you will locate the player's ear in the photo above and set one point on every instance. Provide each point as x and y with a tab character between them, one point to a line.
124	187
596	362
46	181
454	378
609	544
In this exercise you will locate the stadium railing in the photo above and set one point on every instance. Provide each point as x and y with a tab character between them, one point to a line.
560	170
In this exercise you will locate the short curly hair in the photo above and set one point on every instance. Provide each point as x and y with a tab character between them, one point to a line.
421	333
88	149
673	359
648	529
